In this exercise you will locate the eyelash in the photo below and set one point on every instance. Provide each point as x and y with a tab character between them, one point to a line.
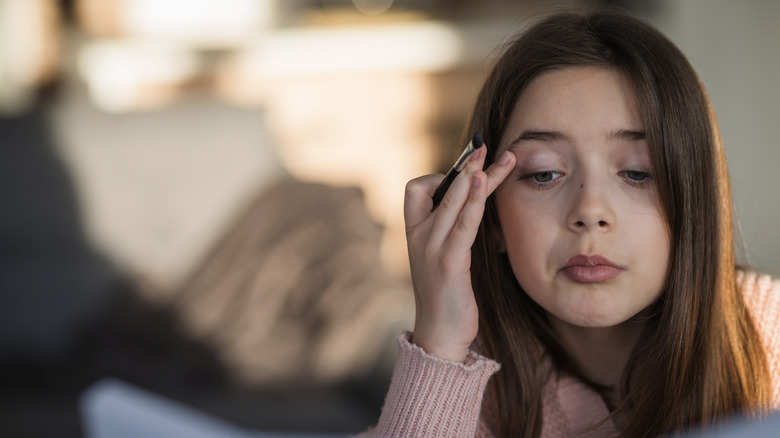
647	178
541	185
645	181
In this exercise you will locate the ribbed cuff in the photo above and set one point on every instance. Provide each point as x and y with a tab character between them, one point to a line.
434	397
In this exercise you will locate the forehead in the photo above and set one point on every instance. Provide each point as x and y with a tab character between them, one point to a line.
582	102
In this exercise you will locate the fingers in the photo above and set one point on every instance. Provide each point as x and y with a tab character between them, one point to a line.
482	184
467	196
467	222
499	170
418	199
451	205
463	204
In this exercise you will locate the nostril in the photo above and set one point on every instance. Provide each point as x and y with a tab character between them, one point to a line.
602	223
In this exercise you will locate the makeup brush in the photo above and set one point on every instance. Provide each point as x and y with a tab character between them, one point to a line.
476	143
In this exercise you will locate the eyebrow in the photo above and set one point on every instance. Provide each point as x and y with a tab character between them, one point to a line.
628	135
544	136
552	136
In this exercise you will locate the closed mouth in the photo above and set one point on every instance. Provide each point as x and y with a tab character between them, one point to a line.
589	261
591	269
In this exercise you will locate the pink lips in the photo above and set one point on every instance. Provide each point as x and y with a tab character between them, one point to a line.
590	269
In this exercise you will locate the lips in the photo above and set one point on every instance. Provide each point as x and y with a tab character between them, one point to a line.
590	269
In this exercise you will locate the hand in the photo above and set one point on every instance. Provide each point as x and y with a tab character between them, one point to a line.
439	244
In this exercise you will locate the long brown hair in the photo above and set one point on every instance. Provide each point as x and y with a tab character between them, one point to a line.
699	358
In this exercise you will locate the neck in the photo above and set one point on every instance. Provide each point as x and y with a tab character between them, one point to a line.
601	353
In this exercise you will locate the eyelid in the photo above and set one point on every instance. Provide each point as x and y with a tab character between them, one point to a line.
541	185
644	182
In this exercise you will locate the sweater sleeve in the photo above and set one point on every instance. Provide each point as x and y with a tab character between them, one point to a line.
762	296
433	397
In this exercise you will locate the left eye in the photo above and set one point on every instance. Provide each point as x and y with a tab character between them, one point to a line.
637	178
636	175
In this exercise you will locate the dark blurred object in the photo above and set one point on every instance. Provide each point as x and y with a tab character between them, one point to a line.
67	316
134	341
51	280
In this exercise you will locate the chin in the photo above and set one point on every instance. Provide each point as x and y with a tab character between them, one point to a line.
594	318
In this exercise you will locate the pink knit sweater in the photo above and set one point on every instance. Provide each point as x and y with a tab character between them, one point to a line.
432	397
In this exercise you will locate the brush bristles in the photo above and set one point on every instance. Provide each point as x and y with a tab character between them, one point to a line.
476	141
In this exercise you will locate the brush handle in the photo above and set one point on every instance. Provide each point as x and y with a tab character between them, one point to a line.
438	195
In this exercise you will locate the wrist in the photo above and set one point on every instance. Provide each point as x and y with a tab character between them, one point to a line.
442	350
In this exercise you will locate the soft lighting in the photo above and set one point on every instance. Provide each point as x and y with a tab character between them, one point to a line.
372	7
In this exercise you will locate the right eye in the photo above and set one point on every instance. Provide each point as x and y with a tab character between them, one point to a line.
545	176
542	179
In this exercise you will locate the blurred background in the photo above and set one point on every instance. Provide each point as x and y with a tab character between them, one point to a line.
204	197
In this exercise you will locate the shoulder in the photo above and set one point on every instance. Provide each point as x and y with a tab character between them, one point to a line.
762	298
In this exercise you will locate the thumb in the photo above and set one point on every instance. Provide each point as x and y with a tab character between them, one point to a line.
418	198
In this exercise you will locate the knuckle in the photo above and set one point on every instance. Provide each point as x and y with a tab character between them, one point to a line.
476	199
419	184
447	203
412	187
465	224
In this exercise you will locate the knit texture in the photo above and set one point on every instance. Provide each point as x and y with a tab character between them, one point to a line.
433	397
762	296
436	398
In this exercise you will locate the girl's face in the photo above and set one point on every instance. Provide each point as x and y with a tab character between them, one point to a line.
580	217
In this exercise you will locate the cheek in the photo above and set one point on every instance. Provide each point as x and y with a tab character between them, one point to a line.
516	227
526	239
651	244
525	222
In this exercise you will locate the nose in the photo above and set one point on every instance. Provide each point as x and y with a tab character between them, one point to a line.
591	208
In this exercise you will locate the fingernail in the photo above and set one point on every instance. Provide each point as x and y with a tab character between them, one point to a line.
475	181
504	159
